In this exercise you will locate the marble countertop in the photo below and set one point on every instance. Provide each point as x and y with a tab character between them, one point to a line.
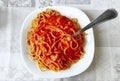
106	63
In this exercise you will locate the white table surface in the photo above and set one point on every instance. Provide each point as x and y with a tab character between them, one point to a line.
106	63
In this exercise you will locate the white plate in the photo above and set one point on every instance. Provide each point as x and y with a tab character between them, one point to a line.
76	68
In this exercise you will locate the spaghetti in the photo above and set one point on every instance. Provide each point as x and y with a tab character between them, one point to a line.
51	43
